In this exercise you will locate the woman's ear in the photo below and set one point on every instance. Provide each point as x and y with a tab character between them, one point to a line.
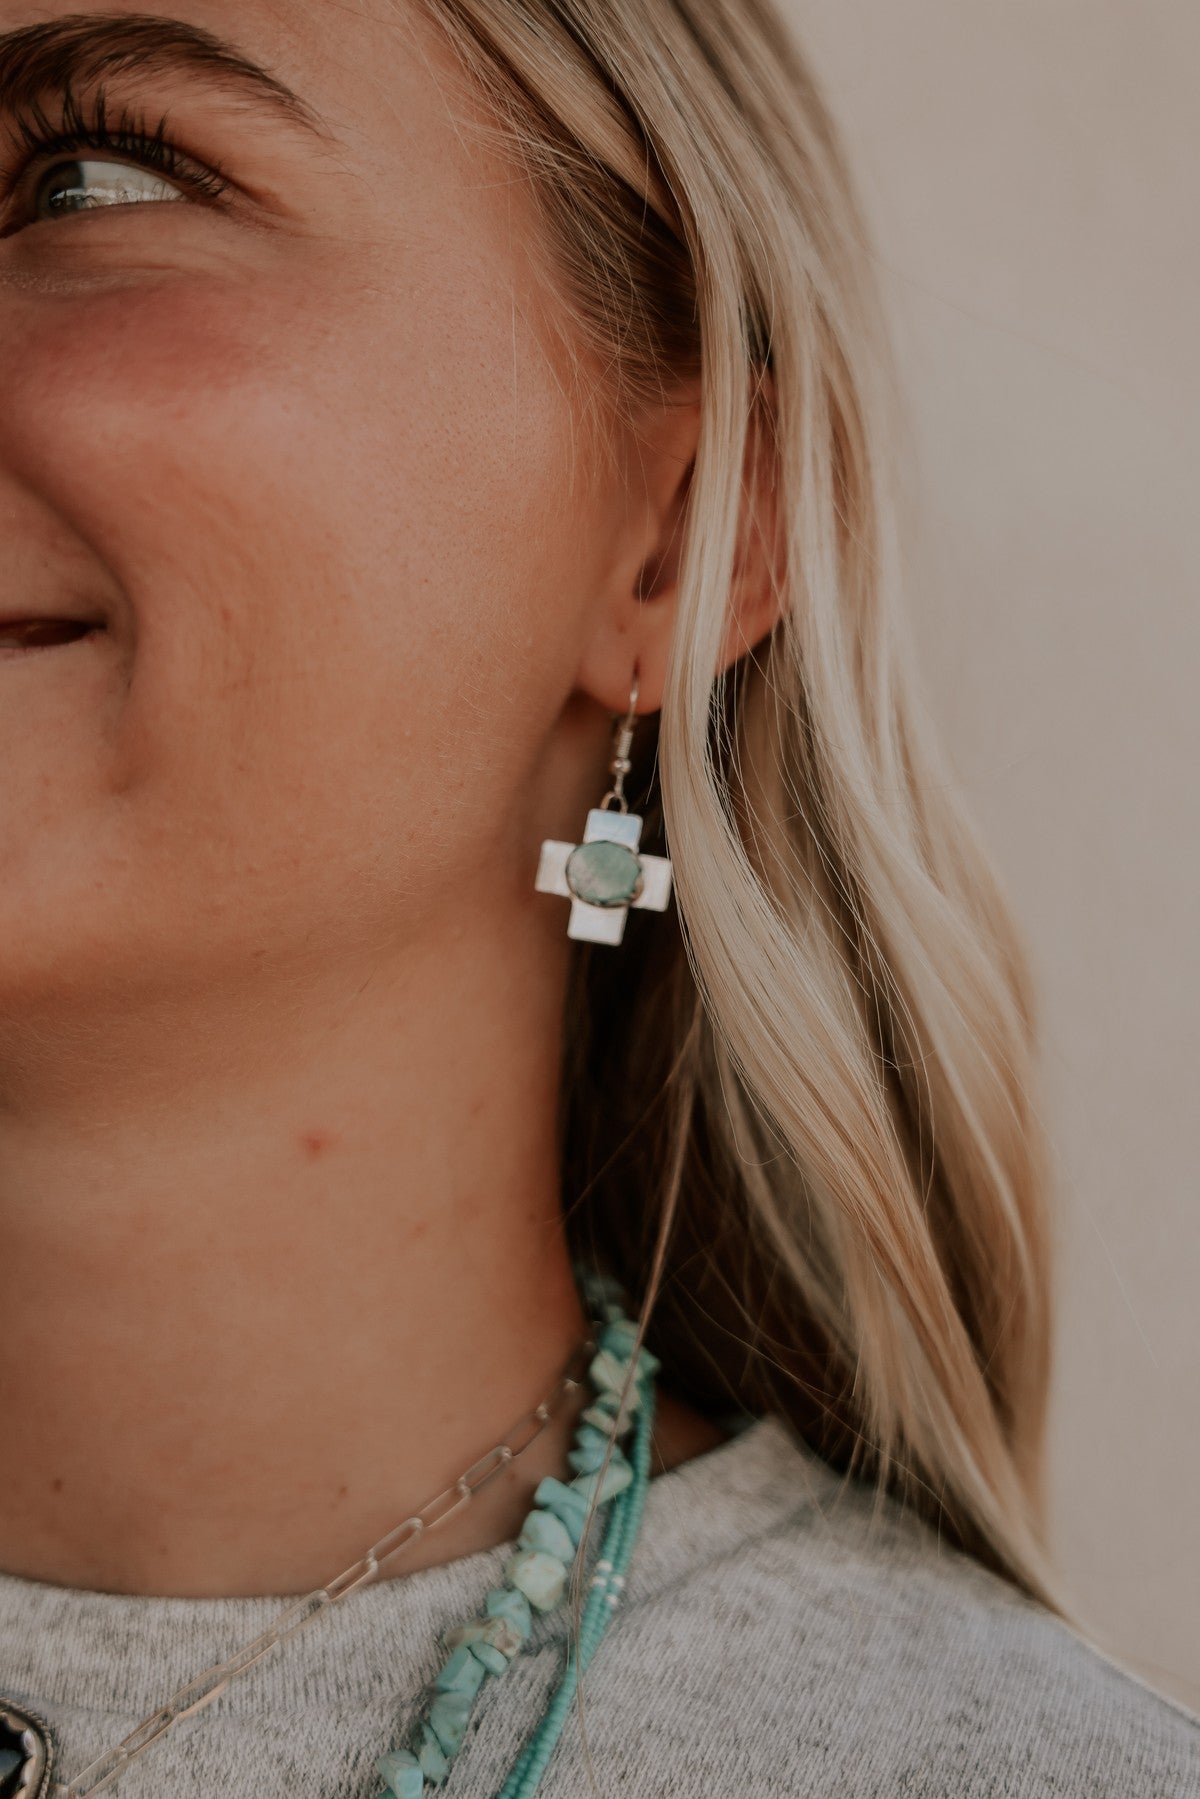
636	619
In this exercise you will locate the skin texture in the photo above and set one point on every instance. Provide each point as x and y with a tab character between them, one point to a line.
279	1006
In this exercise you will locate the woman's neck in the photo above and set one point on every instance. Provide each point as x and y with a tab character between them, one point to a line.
277	1271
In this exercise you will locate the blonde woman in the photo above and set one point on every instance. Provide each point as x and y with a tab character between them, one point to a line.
524	1212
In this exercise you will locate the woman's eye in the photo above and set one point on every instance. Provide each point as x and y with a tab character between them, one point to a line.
78	185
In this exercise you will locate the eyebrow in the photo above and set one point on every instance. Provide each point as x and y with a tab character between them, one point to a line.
78	50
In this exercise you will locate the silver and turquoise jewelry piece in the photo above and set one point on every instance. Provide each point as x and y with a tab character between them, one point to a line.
26	1744
605	874
26	1752
608	1581
534	1577
537	1575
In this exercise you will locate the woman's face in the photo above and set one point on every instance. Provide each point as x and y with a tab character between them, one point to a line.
312	454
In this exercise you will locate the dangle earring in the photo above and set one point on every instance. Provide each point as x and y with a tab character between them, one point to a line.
604	875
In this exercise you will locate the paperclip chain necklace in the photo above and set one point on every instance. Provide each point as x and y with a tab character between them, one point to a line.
607	1346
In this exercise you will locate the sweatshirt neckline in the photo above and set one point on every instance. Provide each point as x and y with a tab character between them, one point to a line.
123	1654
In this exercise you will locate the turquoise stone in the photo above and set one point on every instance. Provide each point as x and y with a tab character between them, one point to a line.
594	1416
402	1772
504	1602
620	1336
602	1291
564	1502
502	1635
615	1479
448	1720
588	1437
603	874
603	1413
617	1340
494	1640
539	1576
587	1458
542	1530
608	1370
493	1659
434	1765
590	1447
463	1673
604	1407
607	1373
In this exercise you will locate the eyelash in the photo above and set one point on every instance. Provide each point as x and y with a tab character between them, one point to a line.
125	136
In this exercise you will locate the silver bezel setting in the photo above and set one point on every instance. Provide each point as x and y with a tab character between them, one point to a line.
33	1734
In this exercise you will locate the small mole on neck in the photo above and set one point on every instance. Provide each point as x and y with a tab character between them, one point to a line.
314	1143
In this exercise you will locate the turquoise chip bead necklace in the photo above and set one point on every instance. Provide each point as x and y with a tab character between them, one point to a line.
536	1577
607	1582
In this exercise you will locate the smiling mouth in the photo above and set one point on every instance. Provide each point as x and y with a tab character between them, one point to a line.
44	633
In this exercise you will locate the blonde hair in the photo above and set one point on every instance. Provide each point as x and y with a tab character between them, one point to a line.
800	1127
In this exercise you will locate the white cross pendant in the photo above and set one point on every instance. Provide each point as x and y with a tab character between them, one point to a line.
603	882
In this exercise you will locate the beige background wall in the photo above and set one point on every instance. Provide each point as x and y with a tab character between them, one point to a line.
1030	170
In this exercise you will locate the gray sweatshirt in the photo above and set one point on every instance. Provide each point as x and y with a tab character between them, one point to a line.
778	1635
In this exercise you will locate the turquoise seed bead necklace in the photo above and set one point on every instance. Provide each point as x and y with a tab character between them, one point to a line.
537	1574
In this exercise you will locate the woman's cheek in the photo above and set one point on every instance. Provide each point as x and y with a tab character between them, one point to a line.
338	521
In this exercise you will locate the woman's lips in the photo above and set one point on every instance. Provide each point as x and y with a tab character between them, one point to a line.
43	633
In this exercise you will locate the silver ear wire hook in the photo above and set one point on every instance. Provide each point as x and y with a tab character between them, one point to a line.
620	765
604	874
